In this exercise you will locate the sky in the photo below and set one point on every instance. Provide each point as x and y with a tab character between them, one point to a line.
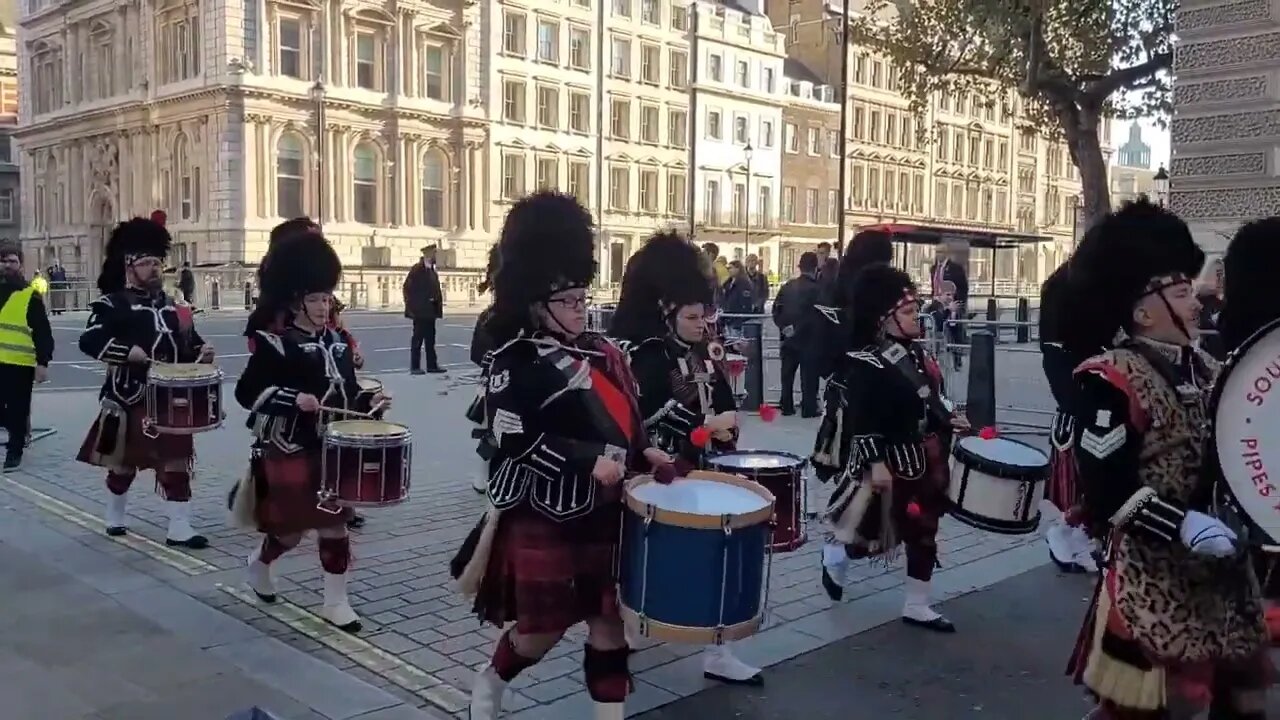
1152	134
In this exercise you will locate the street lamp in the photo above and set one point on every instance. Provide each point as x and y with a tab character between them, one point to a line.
1160	184
746	206
317	99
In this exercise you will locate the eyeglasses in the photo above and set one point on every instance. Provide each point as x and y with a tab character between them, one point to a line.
571	302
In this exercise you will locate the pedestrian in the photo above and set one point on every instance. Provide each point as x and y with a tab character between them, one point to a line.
799	322
950	283
1210	293
563	405
187	284
823	251
424	304
759	283
1176	627
26	347
57	287
739	297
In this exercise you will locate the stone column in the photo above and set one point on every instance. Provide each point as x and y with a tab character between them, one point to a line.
463	222
1226	164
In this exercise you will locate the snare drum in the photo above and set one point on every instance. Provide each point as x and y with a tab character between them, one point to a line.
369	387
183	399
694	566
365	463
997	484
782	474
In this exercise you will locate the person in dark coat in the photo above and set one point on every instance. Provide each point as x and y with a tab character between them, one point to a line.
187	284
482	349
739	296
1209	292
759	283
798	321
424	303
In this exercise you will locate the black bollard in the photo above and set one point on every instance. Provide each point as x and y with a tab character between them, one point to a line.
1023	316
215	295
248	295
981	405
753	386
993	318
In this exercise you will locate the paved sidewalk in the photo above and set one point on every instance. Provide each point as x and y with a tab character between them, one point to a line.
421	643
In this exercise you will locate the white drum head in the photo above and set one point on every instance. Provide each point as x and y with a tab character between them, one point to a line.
699	497
756	460
1246	421
1005	452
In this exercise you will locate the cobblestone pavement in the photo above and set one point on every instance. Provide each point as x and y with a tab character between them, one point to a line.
420	640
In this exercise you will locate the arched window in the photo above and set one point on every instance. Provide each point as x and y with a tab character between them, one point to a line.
433	174
187	178
289	169
365	185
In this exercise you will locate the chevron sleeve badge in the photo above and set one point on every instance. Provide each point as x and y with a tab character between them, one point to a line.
1100	442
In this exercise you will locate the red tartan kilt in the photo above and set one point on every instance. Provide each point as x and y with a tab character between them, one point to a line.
928	493
132	448
287	500
1062	490
548	576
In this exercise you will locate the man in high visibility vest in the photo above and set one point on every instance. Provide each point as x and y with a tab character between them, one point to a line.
26	347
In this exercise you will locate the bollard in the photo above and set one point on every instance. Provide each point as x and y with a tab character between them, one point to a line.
981	406
248	295
753	333
1023	316
215	295
993	318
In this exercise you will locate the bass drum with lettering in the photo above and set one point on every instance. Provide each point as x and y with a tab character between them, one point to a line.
1245	447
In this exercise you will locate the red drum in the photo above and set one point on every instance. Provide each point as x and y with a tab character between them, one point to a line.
369	387
365	463
782	474
735	369
183	399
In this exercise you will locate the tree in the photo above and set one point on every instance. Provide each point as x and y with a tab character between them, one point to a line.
1074	61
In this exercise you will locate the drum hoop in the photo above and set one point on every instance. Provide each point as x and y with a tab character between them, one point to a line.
799	459
676	518
398	435
1004	471
1215	399
693	635
212	376
372	384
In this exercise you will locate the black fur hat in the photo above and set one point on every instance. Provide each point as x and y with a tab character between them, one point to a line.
867	247
296	266
491	269
664	276
1054	294
1248	271
878	289
1123	257
547	245
129	241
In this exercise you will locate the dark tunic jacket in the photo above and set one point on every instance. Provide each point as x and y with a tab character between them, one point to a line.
119	321
667	371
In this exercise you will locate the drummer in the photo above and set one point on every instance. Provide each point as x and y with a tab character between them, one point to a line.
133	324
562	407
900	429
1176	629
290	376
661	315
482	354
275	321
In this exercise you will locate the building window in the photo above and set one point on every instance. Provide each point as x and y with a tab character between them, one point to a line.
739	204
622	8
764	205
711	203
512	176
433	179
435	72
679	16
650	12
367	51
548	170
833	207
188	179
580	48
513	33
743	74
620	119
6	205
792	137
676	194
549	107
678	128
290	167
365	184
290	49
104	60
6	149
649	190
714	131
580	181
811	205
179	43
548	41
766	133
679	72
741	134
789	204
620	62
580	112
620	188
814	142
715	67
513	92
650	63
649	131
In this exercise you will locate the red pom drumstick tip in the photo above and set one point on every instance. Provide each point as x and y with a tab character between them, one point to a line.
700	436
989	433
768	413
913	510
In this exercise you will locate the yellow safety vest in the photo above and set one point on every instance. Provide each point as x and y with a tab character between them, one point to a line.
16	345
40	284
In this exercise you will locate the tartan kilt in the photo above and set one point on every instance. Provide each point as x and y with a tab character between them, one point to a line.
919	525
548	576
115	441
1062	489
287	499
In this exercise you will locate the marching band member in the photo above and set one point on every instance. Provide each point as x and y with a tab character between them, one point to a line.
1070	546
900	428
1176	628
290	376
482	354
563	410
661	315
275	320
133	324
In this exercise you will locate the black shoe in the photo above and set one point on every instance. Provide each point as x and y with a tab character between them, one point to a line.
436	370
417	371
117	531
356	521
12	459
938	624
195	542
756	680
834	590
813	414
787	412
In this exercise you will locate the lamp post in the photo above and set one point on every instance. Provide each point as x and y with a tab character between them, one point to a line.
746	206
317	99
1160	184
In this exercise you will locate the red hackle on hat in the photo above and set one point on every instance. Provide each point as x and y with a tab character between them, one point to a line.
159	217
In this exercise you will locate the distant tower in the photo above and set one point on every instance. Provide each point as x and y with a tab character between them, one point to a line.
1134	153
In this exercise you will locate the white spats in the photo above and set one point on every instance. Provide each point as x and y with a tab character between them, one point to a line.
486	694
835	570
1058	536
259	577
719	663
1084	550
180	529
918	605
609	711
337	608
115	516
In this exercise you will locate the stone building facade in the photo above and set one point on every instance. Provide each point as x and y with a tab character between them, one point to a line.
1226	124
810	212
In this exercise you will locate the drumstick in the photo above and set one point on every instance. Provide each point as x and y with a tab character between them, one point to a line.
344	411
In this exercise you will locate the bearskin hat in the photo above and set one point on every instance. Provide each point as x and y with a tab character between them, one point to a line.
1053	296
664	276
866	248
130	240
296	266
878	289
1248	285
547	245
490	270
1116	264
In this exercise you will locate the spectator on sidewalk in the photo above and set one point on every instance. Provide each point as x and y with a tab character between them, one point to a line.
948	269
797	318
58	288
739	296
424	304
26	347
759	283
1209	292
187	284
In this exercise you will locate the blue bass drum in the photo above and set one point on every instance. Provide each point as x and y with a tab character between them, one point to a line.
694	561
